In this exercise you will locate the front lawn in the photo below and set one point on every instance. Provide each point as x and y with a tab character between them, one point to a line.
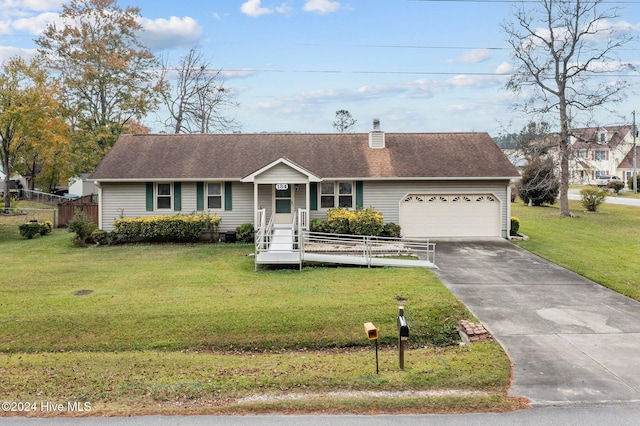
193	328
602	246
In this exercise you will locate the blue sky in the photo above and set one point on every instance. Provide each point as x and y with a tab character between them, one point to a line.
418	66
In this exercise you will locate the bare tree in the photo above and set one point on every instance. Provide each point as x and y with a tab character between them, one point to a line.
565	57
197	101
344	121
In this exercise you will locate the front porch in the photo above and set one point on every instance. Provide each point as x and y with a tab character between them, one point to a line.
294	244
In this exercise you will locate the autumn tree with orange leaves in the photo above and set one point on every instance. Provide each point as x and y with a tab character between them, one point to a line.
109	78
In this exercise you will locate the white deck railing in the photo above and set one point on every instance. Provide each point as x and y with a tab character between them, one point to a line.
367	246
272	245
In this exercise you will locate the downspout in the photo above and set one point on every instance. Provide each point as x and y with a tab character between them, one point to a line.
508	219
100	224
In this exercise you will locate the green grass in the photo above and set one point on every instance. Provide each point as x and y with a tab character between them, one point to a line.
171	327
187	379
601	246
200	296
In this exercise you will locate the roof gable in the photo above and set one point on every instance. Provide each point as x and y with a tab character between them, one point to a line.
280	163
325	156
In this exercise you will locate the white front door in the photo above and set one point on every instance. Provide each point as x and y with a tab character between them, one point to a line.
283	203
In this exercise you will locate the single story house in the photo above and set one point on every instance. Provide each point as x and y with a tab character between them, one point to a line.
432	184
626	166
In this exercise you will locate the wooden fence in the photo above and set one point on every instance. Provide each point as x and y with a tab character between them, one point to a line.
86	204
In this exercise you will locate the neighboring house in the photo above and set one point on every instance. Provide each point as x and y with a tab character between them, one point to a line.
599	151
626	165
516	157
79	186
431	184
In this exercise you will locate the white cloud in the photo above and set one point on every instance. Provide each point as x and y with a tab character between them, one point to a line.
36	24
473	56
235	74
254	8
40	5
5	27
7	52
504	68
162	33
321	6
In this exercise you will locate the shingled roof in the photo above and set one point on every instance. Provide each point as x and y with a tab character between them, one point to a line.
588	136
342	155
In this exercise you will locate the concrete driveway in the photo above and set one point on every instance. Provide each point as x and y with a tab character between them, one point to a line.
570	339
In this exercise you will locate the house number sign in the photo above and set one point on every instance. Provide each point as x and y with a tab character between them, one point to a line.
282	186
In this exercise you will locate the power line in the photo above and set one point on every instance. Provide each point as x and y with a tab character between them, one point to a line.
444	73
515	1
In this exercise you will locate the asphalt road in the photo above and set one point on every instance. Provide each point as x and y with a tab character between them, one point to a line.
591	415
574	194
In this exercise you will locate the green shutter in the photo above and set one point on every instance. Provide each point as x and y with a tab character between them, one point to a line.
313	194
177	196
359	195
149	196
228	196
200	196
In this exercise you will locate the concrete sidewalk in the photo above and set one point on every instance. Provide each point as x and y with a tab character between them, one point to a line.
570	339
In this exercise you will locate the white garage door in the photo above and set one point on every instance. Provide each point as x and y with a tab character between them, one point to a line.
453	215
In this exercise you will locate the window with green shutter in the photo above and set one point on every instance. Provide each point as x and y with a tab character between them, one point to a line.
177	196
228	205
149	196
359	194
200	196
313	194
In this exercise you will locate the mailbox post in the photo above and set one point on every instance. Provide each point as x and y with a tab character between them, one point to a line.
403	334
372	334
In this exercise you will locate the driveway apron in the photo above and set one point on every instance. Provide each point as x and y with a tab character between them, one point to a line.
570	339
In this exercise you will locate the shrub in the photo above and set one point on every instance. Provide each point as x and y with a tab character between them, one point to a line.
366	222
591	198
46	227
82	227
615	185
244	233
630	182
100	236
539	184
30	229
391	230
515	226
338	220
174	228
319	225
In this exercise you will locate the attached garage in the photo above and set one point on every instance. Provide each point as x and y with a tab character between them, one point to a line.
450	215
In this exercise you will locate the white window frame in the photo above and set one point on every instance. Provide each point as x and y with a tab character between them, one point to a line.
207	195
157	196
600	153
335	195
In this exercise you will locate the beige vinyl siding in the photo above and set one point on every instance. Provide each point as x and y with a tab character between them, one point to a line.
265	196
300	196
122	200
242	197
385	196
129	200
281	173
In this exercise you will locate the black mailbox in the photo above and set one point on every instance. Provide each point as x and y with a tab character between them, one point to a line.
403	328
